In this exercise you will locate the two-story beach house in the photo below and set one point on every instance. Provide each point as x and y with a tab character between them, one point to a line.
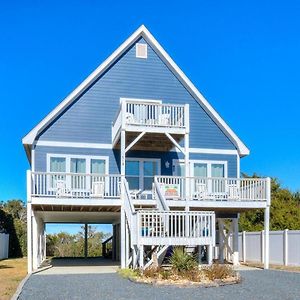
136	145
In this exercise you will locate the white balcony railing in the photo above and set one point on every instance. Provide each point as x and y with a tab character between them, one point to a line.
75	185
144	114
203	188
176	228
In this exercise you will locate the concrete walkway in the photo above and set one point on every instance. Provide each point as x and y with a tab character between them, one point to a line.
63	266
256	284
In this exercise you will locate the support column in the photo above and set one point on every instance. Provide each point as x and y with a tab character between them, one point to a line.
85	240
267	224
235	244
34	238
141	256
127	246
29	238
209	254
221	241
267	228
123	237
114	243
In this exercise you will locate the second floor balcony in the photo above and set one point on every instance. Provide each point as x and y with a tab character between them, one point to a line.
150	117
175	191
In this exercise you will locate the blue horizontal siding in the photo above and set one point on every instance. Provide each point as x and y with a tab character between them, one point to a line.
90	118
114	158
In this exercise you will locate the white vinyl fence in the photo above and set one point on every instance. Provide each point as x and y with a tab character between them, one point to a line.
284	247
4	240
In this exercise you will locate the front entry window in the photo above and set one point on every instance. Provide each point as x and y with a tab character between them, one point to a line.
150	169
133	174
140	173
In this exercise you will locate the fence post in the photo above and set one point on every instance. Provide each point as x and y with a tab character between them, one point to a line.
244	246
285	247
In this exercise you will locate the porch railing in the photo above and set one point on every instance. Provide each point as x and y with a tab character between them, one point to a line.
150	115
176	228
74	185
203	188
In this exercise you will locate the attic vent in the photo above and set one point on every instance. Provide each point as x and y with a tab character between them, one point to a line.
141	50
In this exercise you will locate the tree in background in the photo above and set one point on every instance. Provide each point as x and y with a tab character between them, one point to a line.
13	222
64	244
284	212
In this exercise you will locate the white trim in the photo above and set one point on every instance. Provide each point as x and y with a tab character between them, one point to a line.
73	144
109	146
140	100
209	151
142	31
213	151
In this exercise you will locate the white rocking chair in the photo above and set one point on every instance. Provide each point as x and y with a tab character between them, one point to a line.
200	191
98	189
61	189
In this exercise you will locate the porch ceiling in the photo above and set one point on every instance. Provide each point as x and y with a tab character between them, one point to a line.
151	141
79	217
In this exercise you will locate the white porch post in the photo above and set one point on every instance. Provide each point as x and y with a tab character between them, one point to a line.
34	242
29	223
187	154
267	234
141	256
209	254
123	241
267	224
235	244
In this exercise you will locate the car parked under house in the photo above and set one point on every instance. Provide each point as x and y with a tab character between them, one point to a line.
136	145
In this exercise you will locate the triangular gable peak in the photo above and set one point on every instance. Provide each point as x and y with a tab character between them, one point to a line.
141	32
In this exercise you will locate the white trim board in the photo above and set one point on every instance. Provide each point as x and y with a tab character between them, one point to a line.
73	145
109	146
142	31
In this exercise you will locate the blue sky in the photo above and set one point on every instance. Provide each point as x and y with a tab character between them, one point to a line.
242	55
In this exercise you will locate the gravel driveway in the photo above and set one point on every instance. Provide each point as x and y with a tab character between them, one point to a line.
258	284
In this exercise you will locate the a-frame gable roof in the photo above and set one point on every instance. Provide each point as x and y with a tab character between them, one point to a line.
143	32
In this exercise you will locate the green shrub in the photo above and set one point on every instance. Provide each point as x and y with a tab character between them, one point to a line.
181	261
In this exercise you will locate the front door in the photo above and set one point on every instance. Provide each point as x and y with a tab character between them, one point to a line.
140	173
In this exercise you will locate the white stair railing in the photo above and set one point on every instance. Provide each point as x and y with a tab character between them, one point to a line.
160	199
129	212
176	228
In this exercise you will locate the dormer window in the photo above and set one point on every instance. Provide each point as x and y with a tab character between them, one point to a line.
141	50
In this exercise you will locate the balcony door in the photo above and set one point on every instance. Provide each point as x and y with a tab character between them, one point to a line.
140	173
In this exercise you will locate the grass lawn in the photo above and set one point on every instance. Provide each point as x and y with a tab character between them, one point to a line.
12	271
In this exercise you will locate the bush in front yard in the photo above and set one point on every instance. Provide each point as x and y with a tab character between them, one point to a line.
182	261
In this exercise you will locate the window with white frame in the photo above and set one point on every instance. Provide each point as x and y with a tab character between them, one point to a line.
140	172
72	169
201	168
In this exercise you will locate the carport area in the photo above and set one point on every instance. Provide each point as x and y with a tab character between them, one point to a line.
91	265
72	215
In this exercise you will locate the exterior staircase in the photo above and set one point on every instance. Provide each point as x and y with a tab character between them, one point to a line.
153	231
